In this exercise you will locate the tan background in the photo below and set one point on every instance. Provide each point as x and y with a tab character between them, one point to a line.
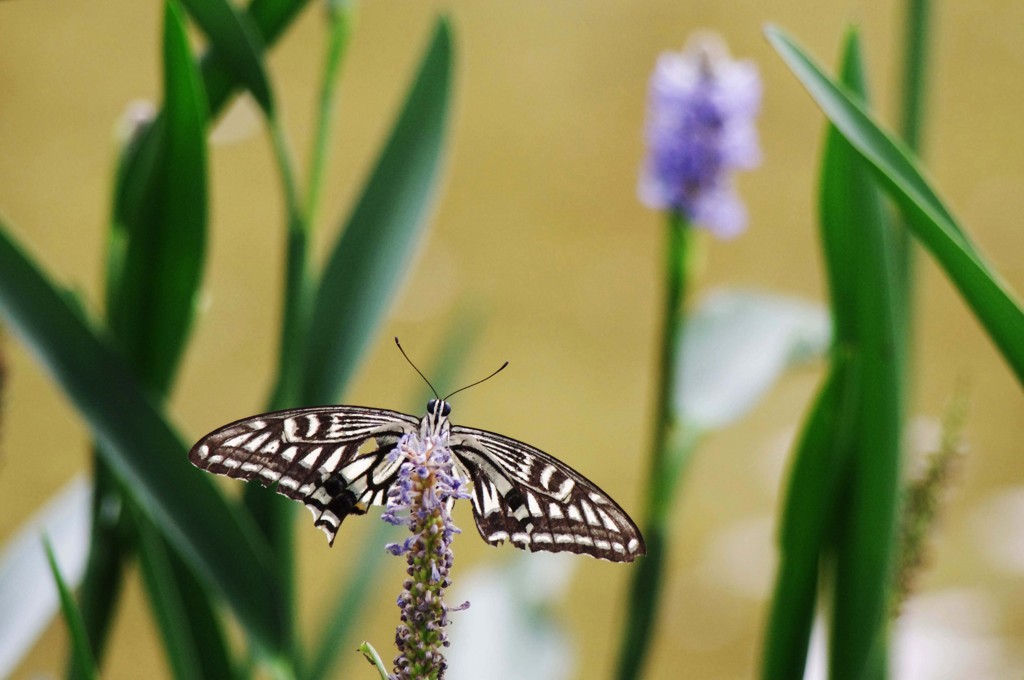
538	230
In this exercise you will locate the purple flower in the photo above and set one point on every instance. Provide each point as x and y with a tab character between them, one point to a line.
421	499
700	129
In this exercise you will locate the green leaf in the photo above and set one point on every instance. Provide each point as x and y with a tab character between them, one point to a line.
988	297
111	544
821	461
272	17
140	159
156	254
28	599
364	269
269	19
85	665
159	231
735	346
174	596
166	604
142	449
238	43
848	456
856	228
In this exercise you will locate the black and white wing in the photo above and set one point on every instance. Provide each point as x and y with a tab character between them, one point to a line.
535	501
331	458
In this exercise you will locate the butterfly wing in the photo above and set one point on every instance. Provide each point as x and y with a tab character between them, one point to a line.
331	458
535	501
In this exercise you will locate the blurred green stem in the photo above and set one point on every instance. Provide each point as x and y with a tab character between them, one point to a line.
340	15
915	70
272	512
912	101
670	450
288	389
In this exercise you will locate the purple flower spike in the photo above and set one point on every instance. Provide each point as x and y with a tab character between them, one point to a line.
700	129
421	500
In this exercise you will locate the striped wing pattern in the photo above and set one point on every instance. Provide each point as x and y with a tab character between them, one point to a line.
536	502
332	458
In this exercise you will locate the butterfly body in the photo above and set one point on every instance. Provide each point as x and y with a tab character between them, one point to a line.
335	460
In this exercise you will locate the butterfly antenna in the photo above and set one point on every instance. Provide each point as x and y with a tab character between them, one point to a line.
416	369
477	382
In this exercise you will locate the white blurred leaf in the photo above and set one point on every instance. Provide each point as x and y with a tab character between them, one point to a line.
509	629
741	557
736	344
951	634
942	635
999	529
28	594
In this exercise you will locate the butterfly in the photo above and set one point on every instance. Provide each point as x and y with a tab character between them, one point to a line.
334	459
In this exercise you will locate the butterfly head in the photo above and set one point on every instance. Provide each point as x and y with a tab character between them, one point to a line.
439	408
436	421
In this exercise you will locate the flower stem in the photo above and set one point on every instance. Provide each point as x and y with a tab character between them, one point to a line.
420	499
670	450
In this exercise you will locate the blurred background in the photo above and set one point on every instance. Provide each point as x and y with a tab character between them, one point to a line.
539	237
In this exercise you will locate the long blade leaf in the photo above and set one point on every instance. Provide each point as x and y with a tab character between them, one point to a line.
366	266
989	298
194	651
850	447
822	457
856	229
81	653
160	221
156	256
238	43
141	447
28	599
